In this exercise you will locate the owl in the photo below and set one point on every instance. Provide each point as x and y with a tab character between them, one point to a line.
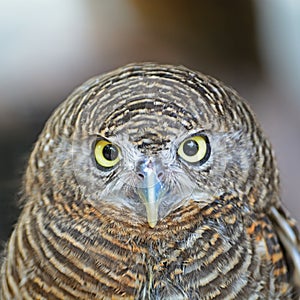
152	182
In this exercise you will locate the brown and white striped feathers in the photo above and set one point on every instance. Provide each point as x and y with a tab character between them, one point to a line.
152	182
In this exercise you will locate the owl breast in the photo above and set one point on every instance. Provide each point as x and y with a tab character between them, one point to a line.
193	252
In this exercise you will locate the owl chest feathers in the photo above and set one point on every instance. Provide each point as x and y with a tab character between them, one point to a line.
206	252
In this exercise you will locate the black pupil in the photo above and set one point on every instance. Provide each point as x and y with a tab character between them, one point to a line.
110	152
190	148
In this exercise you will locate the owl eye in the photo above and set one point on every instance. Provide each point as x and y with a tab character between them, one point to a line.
107	155
195	149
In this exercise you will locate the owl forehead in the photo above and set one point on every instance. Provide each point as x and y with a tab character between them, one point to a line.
154	107
148	123
151	102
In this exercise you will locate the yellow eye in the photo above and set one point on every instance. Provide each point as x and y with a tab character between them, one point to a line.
194	149
107	155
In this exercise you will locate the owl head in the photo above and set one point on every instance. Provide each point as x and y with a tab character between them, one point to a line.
147	139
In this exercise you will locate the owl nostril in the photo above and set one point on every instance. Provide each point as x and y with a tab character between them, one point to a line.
141	175
160	175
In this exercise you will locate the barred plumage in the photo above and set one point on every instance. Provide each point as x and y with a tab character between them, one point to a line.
181	203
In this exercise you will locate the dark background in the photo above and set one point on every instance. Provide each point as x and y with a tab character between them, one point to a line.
48	48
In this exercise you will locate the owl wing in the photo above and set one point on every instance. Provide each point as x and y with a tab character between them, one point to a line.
289	238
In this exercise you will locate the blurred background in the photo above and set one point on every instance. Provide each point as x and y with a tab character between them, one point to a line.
49	47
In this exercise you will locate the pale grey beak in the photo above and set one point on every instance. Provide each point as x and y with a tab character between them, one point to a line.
151	189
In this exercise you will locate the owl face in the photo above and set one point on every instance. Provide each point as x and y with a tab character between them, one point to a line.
149	144
152	182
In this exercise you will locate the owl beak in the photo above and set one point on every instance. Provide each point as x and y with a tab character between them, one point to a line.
151	190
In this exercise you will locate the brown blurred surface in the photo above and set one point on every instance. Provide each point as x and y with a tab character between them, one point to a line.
49	48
